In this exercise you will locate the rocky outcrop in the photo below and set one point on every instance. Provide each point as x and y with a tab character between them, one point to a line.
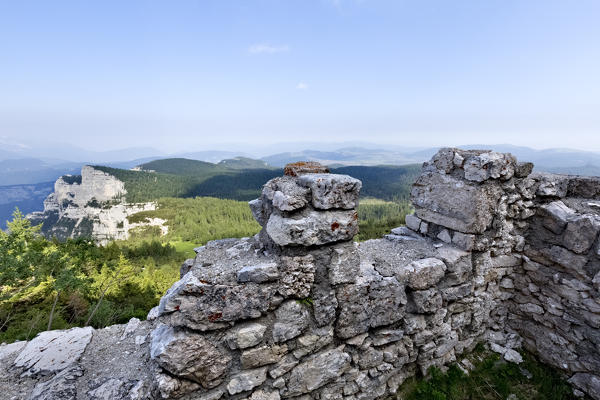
493	254
91	205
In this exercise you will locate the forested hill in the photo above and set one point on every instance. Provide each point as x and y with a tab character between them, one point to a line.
180	177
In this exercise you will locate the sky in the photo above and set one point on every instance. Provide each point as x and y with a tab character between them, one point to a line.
192	75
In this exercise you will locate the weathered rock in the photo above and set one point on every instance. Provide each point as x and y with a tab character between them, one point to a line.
413	222
291	319
488	165
171	388
581	233
260	273
427	301
246	335
344	265
297	276
555	216
247	380
189	355
263	355
332	191
313	228
469	210
63	386
285	194
589	383
317	371
114	388
204	306
425	273
53	351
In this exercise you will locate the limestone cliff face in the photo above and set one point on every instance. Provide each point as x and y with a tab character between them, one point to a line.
91	204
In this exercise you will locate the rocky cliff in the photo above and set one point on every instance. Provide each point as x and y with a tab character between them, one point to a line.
493	254
91	204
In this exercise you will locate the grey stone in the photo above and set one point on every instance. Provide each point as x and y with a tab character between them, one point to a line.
369	304
200	305
318	370
523	169
332	190
263	355
53	351
453	203
344	264
246	335
7	350
581	233
427	301
596	281
413	222
247	380
62	386
259	211
444	236
312	228
170	387
291	319
297	276
425	273
260	273
555	216
463	241
454	293
488	165
115	388
589	383
551	185
262	395
189	355
285	194
284	366
384	336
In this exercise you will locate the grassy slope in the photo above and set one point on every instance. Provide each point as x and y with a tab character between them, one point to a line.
492	379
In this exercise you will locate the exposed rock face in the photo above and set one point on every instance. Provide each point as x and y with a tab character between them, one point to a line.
492	255
91	205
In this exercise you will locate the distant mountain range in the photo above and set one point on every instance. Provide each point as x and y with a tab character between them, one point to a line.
26	166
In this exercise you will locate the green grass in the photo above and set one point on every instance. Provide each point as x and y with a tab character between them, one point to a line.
492	379
377	217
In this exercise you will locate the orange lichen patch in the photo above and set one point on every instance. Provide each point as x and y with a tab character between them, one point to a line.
215	316
334	226
305	167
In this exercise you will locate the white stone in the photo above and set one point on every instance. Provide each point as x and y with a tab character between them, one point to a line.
53	351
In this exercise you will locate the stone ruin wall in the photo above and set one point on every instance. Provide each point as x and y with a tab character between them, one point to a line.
493	254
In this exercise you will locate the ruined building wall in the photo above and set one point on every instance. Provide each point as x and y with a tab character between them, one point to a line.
493	254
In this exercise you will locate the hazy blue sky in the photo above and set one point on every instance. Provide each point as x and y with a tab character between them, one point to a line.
187	74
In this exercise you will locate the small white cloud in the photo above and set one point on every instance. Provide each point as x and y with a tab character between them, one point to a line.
302	86
263	48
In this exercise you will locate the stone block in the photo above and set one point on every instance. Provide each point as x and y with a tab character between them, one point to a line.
425	273
260	273
413	222
332	191
581	233
427	301
317	371
454	203
291	319
188	355
246	335
313	228
555	216
247	380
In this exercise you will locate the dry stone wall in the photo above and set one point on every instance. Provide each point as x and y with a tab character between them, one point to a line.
493	254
